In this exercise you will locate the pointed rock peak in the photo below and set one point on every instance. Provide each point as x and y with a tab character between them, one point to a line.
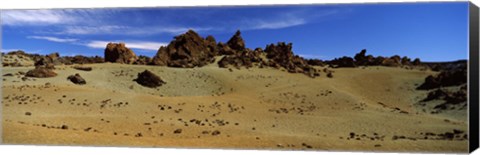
236	42
238	33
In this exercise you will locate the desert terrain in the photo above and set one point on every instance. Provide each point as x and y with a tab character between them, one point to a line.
365	108
249	109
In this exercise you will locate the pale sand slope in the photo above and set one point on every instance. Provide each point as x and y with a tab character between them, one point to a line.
245	106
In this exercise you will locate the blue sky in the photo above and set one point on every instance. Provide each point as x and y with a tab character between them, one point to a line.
430	31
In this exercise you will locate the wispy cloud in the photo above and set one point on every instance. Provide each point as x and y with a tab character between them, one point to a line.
55	17
54	39
135	22
144	45
275	24
126	30
33	17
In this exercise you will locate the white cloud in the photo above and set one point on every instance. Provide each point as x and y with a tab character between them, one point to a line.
126	30
278	24
32	17
144	45
53	39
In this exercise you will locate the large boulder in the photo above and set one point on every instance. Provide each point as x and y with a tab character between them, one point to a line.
41	72
119	53
186	51
77	79
148	79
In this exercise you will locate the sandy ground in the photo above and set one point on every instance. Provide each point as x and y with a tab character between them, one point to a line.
216	108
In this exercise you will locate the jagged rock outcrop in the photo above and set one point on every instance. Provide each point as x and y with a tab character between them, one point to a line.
236	42
119	53
342	62
79	59
186	51
149	79
77	79
445	79
361	59
246	58
281	55
315	62
41	72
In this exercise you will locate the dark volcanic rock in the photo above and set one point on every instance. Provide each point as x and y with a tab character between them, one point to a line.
41	72
281	55
445	79
236	42
342	62
361	59
77	79
148	79
246	58
83	68
224	49
186	51
143	60
315	62
119	53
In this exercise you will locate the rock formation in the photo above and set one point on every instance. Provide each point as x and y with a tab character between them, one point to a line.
236	42
445	79
186	51
281	55
119	53
148	79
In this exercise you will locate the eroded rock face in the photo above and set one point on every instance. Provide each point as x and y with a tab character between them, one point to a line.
361	59
149	79
77	79
342	62
119	53
186	51
41	72
236	42
281	55
245	58
445	79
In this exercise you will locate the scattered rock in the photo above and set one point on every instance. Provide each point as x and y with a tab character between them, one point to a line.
216	132
177	131
77	79
83	68
149	79
28	113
